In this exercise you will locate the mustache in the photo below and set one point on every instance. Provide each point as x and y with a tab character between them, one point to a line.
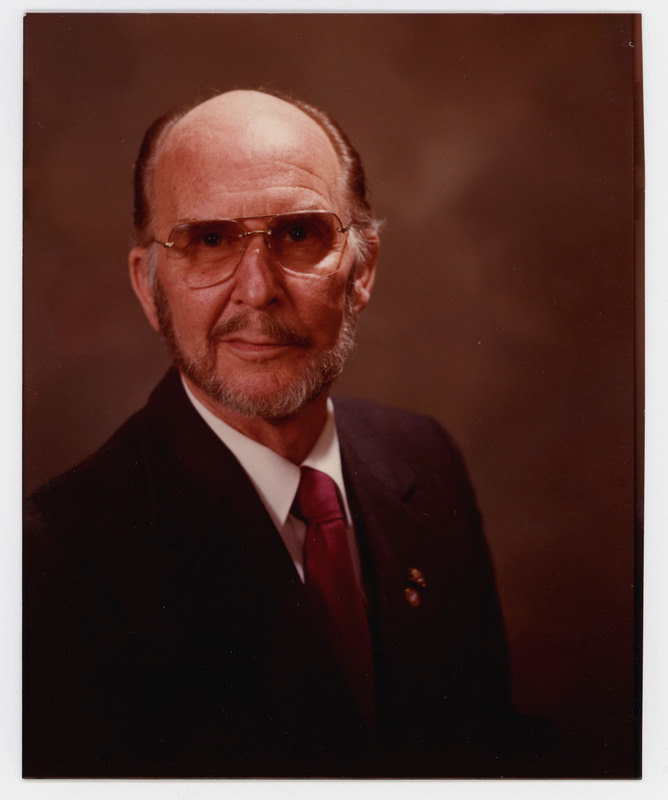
262	322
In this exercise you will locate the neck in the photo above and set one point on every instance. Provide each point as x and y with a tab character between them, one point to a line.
292	437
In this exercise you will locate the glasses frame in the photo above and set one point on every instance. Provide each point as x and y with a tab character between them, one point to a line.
266	232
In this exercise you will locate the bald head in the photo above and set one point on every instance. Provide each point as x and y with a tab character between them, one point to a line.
227	133
246	119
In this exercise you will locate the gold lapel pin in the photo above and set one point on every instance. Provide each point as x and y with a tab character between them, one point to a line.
416	583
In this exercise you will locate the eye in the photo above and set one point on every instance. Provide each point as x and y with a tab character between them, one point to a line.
215	235
297	233
305	230
210	239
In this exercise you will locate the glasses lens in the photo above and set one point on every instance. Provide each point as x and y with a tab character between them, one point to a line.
302	242
208	251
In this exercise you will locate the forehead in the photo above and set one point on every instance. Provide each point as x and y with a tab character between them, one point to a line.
244	155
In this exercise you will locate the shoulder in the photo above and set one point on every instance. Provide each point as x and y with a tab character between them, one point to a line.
115	471
402	448
117	460
377	418
161	469
416	436
108	486
138	492
80	516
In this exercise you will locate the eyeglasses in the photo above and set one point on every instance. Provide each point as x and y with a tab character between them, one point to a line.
303	243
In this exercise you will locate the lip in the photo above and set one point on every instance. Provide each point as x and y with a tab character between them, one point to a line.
260	347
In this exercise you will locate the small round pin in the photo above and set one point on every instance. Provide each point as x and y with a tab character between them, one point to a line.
413	597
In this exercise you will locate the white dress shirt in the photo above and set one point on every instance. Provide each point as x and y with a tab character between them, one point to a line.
276	479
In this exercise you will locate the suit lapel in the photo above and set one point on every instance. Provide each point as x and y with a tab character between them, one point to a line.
396	541
393	538
214	507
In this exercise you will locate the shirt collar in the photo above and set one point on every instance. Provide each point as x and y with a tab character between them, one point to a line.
275	478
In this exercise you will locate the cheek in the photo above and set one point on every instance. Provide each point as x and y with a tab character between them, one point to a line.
322	312
194	312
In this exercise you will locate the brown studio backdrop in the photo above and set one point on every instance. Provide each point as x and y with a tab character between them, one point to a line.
500	151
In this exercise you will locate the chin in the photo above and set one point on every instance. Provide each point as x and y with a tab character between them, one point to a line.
248	399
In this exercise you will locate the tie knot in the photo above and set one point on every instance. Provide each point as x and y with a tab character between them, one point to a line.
317	499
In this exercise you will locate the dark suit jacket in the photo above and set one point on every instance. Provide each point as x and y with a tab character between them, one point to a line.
167	633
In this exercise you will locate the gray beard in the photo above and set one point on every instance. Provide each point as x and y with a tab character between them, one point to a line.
317	375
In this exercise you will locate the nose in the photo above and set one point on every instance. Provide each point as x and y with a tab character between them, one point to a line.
256	279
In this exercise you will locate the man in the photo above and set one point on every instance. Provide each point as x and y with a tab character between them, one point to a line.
187	611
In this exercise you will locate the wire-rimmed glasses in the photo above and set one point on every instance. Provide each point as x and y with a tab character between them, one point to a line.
303	243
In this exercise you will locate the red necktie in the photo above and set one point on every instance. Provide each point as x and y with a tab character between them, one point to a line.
331	584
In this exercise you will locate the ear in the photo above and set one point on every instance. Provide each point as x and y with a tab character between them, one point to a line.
141	284
365	274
